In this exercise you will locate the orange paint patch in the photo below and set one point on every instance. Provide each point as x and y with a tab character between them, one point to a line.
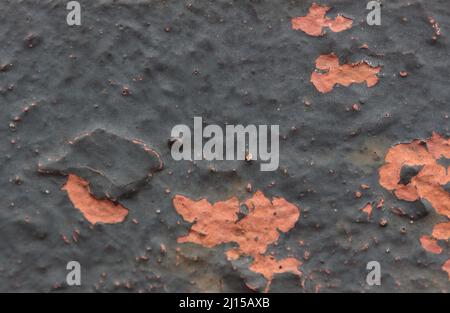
442	231
218	223
316	20
94	210
428	184
328	73
430	244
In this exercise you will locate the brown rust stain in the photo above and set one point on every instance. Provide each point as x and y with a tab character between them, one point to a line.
218	223
94	210
315	21
428	184
328	73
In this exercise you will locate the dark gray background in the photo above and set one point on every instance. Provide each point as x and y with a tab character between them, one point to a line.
236	62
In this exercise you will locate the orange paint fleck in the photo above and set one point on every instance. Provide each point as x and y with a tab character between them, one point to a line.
94	210
316	20
380	203
430	244
218	223
368	210
328	73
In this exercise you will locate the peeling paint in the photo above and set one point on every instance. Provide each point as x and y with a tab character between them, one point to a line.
218	223
442	231
316	20
424	180
98	157
328	73
428	183
137	68
430	244
94	210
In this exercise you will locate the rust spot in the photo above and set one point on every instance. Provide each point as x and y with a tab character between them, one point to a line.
94	210
218	223
328	73
315	21
436	28
424	179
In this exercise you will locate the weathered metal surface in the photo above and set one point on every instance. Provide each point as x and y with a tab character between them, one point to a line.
135	69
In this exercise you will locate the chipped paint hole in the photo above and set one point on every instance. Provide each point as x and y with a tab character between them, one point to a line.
446	187
445	162
243	212
408	173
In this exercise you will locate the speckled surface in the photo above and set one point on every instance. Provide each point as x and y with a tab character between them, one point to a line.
235	62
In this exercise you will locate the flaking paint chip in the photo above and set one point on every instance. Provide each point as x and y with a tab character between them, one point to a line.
94	210
426	183
329	73
316	20
218	223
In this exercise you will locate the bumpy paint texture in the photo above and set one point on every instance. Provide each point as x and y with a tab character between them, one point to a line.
74	98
